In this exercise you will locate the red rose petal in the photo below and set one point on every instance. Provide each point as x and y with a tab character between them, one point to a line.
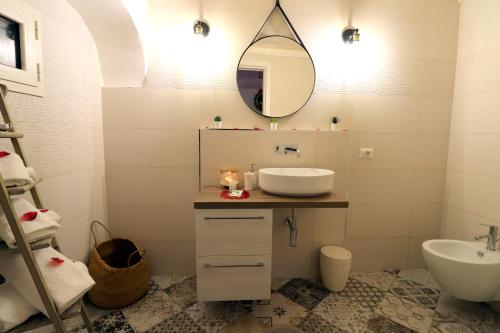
4	153
29	216
44	210
56	261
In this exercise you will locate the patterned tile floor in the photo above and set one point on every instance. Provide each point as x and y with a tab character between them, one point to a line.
385	302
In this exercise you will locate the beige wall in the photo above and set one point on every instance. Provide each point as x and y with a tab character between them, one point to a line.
393	91
63	130
473	184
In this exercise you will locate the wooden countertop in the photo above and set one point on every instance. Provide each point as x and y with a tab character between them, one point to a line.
209	198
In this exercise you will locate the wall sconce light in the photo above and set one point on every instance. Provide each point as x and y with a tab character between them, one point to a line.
350	35
201	28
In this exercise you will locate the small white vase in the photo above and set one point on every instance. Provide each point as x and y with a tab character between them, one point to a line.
273	126
333	127
218	124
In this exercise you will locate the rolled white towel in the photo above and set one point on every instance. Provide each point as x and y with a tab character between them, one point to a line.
66	280
13	170
50	213
14	308
36	224
31	172
5	127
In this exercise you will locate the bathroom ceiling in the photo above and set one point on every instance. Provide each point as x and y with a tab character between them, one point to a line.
118	42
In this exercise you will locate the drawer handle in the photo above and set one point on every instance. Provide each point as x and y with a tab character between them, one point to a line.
259	264
236	218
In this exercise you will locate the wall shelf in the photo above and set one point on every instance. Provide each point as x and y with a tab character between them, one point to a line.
9	135
18	190
38	245
209	198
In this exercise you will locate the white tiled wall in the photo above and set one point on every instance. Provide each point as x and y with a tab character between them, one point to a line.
63	130
472	184
151	151
394	94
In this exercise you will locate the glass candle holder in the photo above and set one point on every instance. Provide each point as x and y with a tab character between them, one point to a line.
229	177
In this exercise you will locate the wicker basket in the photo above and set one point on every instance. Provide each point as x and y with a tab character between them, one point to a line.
119	269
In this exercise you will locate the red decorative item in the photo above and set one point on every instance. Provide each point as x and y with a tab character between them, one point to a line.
4	153
225	195
29	216
56	261
45	210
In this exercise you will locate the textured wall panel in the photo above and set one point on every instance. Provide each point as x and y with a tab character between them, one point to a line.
63	130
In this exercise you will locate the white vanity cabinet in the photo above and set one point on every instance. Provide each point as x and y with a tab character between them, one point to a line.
234	242
233	254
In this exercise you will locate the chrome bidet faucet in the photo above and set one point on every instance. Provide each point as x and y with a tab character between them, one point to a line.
492	237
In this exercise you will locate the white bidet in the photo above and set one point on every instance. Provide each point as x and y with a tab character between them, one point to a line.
466	270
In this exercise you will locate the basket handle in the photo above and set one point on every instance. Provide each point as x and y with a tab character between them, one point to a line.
93	233
141	252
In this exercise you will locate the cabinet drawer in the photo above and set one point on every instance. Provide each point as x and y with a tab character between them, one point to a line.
233	232
231	278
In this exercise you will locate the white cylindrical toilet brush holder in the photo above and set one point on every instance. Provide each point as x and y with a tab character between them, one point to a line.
335	263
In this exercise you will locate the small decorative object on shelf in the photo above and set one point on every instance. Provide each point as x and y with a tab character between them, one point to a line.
229	177
235	195
334	123
273	125
218	121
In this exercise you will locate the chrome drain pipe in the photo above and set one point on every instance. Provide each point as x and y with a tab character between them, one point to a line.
291	222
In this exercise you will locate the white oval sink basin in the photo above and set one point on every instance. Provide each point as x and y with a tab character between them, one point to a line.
296	181
466	270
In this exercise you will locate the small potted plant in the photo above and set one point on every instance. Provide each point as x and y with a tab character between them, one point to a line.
273	125
335	121
218	121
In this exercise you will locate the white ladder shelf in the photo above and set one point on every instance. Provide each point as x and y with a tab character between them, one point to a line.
26	249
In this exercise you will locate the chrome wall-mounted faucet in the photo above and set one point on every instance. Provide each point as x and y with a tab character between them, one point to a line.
287	149
492	237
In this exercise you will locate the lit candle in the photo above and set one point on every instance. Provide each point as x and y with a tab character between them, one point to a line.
229	177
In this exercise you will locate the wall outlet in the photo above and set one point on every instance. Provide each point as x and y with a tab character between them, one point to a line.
366	153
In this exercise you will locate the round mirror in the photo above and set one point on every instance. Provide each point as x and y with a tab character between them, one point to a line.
276	76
